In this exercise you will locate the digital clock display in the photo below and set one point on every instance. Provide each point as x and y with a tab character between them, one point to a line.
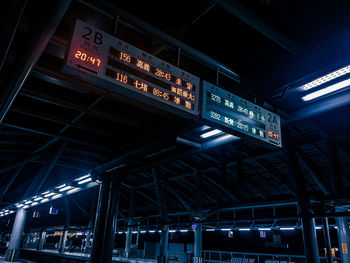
120	67
78	54
240	116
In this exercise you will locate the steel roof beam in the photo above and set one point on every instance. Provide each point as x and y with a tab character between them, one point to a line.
44	29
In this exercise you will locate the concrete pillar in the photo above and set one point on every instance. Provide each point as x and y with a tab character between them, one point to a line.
63	240
87	243
138	238
16	235
343	238
128	242
327	240
42	241
163	248
106	220
310	240
198	244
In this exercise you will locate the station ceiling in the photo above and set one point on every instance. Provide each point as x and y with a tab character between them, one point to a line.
273	46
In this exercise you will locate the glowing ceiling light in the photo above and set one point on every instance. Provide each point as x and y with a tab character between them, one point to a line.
184	230
44	193
44	200
172	231
34	203
25	207
65	188
327	90
211	133
20	205
85	181
49	194
210	229
83	177
56	196
318	227
28	202
38	198
225	229
74	190
60	186
333	75
143	231
152	231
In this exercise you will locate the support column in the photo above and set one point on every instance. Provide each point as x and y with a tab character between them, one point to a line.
163	248
309	230
130	223
137	238
198	244
343	237
42	241
62	244
327	240
106	220
16	235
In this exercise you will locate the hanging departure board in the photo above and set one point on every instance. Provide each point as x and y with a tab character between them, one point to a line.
240	116
107	61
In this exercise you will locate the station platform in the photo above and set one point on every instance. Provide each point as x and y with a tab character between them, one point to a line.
55	256
18	261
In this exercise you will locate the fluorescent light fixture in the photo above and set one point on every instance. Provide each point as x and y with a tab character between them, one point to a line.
68	187
44	200
210	229
143	231
264	228
38	198
34	203
225	229
60	186
44	193
152	231
56	196
184	230
134	232
85	181
327	90
211	133
49	194
120	232
74	190
243	229
159	231
287	228
83	177
172	231
28	202
11	212
25	207
333	75
20	205
318	227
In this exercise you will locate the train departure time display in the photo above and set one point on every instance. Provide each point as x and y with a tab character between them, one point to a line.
107	61
239	115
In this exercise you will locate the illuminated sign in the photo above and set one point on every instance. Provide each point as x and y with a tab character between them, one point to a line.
109	62
240	116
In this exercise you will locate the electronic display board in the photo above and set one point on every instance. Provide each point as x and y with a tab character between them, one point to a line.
240	116
107	61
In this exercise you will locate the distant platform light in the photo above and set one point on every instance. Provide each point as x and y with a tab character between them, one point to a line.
287	228
211	133
152	231
225	229
327	90
184	230
318	227
244	229
326	78
172	231
264	229
210	229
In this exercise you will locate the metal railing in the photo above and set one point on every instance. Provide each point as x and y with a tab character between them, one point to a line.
210	256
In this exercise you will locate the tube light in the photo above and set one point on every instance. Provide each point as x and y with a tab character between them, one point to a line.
44	200
264	229
38	198
34	203
49	194
210	229
60	186
318	227
83	177
152	231
143	231
287	228
333	75
44	193
74	190
211	133
68	187
244	229
28	202
85	181
159	231
20	205
184	230
225	229
327	90
56	196
25	207
120	232
172	231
